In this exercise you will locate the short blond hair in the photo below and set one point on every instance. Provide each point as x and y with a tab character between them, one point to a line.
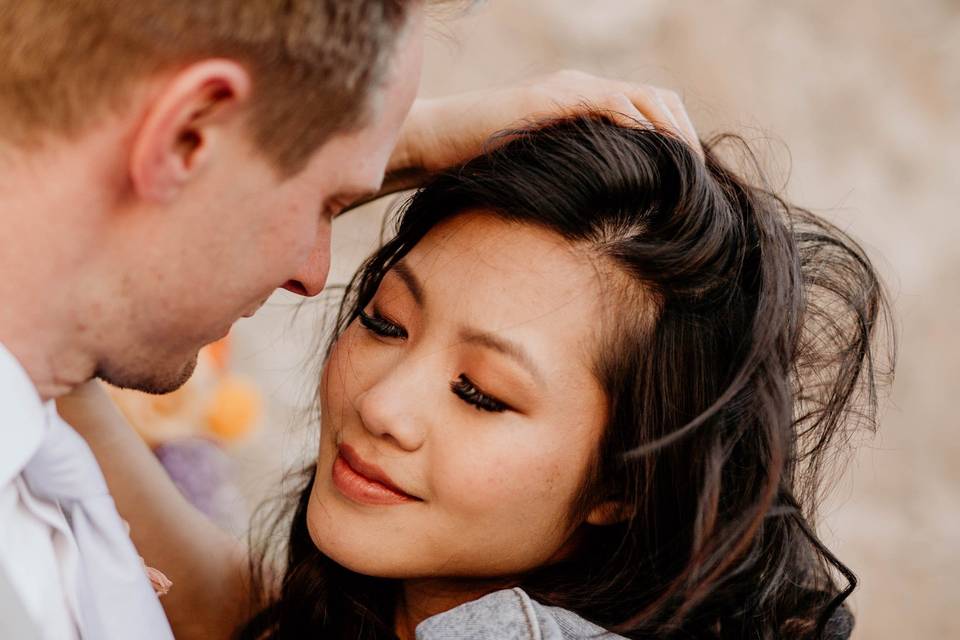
314	63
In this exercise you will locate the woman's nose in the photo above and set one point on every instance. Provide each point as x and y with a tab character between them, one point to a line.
389	410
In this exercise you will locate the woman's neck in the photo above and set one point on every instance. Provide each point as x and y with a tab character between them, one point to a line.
421	599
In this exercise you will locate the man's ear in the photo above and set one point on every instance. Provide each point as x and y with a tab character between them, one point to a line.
182	124
609	512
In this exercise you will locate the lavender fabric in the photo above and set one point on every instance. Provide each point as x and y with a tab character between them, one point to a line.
203	473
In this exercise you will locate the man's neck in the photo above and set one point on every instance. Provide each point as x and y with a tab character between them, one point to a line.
53	374
39	325
43	241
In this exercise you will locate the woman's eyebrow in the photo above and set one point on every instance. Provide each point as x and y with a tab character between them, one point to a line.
507	347
499	344
410	280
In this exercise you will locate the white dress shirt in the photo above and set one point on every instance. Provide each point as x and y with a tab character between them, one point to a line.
38	554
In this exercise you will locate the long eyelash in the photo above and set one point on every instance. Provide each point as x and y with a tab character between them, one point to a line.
469	393
380	326
463	387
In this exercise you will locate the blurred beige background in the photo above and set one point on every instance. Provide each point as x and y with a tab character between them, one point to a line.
855	106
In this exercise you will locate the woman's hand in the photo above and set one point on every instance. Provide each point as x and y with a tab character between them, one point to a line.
207	566
90	411
444	132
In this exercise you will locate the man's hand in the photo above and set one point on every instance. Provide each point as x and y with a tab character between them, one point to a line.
444	132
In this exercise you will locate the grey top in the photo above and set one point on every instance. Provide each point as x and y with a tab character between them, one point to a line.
512	615
509	615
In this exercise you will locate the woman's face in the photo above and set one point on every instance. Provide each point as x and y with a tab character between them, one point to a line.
460	413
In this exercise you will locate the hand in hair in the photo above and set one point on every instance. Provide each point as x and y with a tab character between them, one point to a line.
444	132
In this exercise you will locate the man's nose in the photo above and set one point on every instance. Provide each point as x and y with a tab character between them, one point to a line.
312	274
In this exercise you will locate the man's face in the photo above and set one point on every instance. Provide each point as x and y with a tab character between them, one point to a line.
235	235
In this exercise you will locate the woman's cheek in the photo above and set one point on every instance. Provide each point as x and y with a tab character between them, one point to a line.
483	481
343	374
506	502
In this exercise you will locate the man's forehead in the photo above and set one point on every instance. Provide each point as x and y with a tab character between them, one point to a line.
352	163
393	98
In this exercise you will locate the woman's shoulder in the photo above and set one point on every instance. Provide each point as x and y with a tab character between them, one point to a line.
509	614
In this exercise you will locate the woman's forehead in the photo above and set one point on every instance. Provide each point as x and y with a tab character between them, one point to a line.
479	258
500	254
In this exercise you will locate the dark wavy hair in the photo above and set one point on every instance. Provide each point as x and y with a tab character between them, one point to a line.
744	365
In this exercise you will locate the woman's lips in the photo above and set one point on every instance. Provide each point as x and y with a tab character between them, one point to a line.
363	482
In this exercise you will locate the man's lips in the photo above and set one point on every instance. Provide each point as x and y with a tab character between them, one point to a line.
365	482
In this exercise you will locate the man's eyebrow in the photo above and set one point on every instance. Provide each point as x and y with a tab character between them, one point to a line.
352	197
359	192
416	290
506	347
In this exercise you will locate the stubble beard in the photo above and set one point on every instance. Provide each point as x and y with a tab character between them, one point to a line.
155	379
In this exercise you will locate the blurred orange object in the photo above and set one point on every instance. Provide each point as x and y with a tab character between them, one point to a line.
214	403
233	408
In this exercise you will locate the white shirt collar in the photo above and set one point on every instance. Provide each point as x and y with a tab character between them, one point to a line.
23	417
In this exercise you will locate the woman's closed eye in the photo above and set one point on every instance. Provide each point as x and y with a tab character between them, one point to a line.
462	387
380	326
467	391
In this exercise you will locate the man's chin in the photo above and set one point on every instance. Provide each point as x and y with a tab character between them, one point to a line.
158	380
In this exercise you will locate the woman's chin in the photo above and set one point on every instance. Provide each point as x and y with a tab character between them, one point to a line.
337	538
